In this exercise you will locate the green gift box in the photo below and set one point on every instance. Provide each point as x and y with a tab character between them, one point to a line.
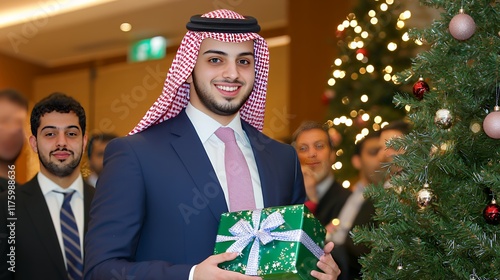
274	243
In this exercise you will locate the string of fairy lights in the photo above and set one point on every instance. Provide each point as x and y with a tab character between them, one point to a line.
358	44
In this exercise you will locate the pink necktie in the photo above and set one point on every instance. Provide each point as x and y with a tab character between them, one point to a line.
239	181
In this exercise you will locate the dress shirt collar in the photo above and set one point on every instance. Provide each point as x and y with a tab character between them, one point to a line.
92	179
360	187
48	185
205	126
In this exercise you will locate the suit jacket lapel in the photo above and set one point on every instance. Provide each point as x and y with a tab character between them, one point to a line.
193	155
40	217
264	162
88	195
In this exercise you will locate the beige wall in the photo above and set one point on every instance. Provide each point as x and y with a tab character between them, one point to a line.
74	84
114	99
124	92
311	27
276	121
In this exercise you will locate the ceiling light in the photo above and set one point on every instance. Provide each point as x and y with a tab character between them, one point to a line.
125	27
40	11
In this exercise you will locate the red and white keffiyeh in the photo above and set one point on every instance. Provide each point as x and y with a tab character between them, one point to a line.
175	94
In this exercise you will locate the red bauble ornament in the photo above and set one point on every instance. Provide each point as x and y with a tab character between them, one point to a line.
462	26
340	33
325	100
362	51
420	88
492	213
491	124
327	96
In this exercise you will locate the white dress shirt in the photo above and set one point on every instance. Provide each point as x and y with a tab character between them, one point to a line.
205	127
347	215
55	200
92	179
323	186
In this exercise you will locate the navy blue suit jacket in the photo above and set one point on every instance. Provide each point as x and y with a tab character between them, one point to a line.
158	201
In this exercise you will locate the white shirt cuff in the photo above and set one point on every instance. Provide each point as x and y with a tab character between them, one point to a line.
191	273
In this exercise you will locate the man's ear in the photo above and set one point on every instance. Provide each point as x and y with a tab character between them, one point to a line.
33	145
356	161
85	140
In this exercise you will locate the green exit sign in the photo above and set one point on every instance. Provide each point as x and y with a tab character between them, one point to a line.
148	49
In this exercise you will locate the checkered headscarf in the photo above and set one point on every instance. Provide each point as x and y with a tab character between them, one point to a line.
175	95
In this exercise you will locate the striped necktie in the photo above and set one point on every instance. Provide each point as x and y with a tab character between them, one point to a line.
71	239
239	180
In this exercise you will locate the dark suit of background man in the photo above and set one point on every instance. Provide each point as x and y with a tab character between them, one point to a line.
325	195
162	190
58	128
357	210
13	111
317	155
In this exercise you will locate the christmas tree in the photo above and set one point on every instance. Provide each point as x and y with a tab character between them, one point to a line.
373	45
440	220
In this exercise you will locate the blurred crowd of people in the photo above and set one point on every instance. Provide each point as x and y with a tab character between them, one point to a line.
340	209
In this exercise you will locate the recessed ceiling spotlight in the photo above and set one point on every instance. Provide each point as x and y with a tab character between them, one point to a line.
125	27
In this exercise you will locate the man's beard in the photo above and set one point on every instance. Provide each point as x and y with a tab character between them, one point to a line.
60	171
209	101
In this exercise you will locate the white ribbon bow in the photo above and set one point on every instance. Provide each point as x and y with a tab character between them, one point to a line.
262	232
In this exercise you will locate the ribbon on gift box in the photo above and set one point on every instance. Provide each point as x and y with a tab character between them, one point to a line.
262	232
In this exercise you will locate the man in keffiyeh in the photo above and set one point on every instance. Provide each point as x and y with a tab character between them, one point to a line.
163	188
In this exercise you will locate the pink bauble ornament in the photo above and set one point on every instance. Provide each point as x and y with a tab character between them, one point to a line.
462	26
491	123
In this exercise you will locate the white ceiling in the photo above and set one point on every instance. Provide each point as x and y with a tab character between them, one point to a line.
59	32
